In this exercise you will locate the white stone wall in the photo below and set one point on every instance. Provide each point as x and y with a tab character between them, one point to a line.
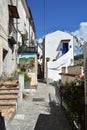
40	54
27	28
3	30
1	63
22	14
32	34
24	23
10	60
52	42
9	63
4	23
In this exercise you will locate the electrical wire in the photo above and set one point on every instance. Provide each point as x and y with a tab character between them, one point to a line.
44	15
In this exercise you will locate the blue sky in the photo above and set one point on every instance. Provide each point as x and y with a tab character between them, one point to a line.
64	15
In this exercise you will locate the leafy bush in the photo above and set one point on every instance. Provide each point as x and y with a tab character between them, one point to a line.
74	98
26	77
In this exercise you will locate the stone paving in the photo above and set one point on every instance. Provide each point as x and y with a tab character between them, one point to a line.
40	110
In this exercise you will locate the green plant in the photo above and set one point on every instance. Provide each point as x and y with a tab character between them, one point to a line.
10	78
14	75
26	77
74	98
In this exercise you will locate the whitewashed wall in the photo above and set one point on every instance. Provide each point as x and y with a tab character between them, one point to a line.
22	14
24	22
52	42
4	17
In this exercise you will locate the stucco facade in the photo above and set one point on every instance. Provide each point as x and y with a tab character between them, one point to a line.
16	27
59	49
7	49
27	36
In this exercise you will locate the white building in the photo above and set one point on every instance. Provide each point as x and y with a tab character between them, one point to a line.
16	27
58	53
8	35
26	24
27	38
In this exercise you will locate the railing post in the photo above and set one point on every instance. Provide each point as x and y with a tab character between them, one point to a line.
21	85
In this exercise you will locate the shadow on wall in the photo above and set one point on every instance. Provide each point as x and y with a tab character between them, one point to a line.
56	120
2	123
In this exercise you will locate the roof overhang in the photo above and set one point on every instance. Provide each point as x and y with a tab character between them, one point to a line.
65	40
25	49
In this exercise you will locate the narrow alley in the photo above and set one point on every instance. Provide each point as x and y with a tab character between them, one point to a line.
39	110
42	43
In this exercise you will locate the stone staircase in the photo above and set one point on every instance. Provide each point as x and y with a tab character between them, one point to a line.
8	99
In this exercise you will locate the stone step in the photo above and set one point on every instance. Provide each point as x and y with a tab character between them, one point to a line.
7	103
9	92
8	97
9	88
10	83
8	113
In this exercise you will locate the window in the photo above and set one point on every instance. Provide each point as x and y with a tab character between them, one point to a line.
64	48
13	10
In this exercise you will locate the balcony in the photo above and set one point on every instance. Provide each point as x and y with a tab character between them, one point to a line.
12	38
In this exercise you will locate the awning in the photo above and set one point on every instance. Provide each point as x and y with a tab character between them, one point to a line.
65	40
14	11
25	49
